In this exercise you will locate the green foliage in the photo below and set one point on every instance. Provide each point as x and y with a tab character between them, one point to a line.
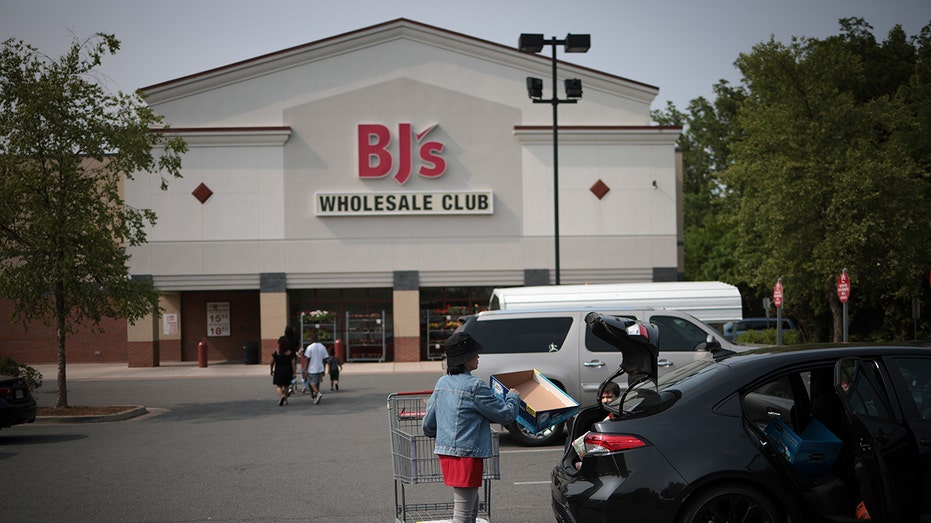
768	337
9	367
65	147
819	161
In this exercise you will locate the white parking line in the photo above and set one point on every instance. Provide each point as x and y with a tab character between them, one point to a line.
531	482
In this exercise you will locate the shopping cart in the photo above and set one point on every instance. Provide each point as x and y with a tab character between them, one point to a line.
415	463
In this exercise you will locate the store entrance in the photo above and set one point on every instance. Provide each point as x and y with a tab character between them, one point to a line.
441	310
361	318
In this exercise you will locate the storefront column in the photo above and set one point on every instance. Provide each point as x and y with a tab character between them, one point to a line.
273	307
142	339
169	339
406	298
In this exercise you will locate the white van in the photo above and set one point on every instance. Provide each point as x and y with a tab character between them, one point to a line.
559	344
712	302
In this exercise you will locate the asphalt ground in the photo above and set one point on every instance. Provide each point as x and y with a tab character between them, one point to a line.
215	446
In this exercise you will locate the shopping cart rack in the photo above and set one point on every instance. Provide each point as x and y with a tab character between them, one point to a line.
415	463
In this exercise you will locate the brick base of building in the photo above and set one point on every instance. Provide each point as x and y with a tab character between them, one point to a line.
406	349
142	354
266	349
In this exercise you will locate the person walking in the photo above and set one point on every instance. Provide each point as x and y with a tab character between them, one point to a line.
335	366
282	369
294	343
459	414
316	359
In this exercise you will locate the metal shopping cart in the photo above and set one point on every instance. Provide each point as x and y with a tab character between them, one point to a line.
415	463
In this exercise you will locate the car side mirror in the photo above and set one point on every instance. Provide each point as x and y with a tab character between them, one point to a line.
710	344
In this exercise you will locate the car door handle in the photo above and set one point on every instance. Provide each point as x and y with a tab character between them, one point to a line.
663	363
594	363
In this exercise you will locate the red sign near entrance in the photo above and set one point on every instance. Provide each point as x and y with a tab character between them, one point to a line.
777	293
843	287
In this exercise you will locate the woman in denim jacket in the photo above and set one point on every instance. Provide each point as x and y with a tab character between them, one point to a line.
459	415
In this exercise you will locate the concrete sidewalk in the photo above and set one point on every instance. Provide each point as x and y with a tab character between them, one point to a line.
174	370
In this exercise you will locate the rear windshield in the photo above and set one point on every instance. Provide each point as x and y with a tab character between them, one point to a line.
646	399
520	335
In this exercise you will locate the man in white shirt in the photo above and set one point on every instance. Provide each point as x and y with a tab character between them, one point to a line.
316	355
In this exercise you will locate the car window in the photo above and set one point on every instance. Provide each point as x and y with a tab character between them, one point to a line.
521	335
796	398
677	334
861	383
917	374
646	398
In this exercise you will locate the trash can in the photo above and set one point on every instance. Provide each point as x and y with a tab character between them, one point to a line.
251	353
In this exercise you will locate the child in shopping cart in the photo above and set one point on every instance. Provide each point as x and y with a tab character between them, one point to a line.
459	415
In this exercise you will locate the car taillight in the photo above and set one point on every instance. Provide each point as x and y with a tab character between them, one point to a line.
6	393
601	443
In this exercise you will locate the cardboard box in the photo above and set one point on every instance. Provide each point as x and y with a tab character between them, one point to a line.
814	451
542	404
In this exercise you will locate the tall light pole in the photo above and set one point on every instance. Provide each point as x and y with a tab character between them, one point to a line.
533	43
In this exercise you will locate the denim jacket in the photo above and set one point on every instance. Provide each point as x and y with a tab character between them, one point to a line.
459	413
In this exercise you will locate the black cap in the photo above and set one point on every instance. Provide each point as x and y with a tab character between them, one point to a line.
460	348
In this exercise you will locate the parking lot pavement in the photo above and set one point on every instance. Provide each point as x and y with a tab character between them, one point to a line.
188	369
223	450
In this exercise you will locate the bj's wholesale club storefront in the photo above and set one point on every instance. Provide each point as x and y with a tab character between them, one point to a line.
374	186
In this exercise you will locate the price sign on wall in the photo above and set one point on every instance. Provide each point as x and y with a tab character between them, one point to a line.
218	318
170	324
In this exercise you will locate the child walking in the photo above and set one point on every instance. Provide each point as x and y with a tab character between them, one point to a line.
335	366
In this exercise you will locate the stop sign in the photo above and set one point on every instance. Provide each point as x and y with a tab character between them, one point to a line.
843	287
777	293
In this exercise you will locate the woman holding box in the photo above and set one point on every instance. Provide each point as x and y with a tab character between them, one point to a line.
459	415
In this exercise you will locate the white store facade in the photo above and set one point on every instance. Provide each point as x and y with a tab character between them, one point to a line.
391	177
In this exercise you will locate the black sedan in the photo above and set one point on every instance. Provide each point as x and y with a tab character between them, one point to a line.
802	433
17	405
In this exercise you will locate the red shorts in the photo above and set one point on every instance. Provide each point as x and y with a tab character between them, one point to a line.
461	471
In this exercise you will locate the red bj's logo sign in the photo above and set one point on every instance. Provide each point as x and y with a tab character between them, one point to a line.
376	160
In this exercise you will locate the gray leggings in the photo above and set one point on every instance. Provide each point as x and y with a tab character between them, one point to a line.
465	504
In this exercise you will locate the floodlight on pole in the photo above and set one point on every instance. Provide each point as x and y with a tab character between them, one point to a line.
573	43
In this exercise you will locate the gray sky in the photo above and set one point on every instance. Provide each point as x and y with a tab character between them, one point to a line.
681	46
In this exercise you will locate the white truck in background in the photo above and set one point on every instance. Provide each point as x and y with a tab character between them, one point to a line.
712	302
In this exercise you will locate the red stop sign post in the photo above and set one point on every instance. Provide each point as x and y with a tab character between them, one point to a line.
777	299
843	287
843	294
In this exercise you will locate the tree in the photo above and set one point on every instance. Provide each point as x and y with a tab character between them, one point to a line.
65	146
822	177
819	160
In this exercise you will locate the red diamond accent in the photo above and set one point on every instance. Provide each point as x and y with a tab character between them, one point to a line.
202	193
600	189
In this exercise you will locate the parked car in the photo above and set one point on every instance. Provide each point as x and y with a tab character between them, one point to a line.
699	444
17	405
559	344
733	329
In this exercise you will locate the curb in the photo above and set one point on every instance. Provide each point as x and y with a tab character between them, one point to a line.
120	416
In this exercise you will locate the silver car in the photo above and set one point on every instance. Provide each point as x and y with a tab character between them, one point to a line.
559	344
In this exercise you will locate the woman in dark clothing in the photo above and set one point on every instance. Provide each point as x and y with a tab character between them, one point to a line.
283	368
